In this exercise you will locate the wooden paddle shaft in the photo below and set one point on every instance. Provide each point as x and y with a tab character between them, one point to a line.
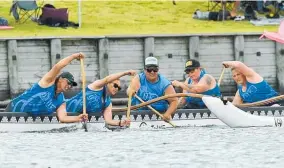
262	102
159	99
155	111
128	107
83	85
129	101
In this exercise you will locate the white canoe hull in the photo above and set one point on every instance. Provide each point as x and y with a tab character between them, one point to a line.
59	127
235	117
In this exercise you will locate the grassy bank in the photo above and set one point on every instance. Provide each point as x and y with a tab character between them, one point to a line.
128	18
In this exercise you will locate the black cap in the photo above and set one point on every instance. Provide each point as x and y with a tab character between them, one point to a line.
69	77
191	64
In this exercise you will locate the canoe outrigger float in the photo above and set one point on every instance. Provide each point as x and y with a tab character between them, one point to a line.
235	117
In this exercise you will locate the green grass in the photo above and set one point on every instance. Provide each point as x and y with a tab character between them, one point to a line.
128	18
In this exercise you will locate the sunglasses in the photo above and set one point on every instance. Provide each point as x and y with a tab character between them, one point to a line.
117	86
149	70
69	82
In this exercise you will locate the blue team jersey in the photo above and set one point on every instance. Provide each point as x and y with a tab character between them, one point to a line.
38	101
257	92
94	101
149	91
197	102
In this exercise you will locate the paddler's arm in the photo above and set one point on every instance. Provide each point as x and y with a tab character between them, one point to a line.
202	86
110	121
182	100
64	118
98	84
173	102
49	78
249	73
134	85
237	99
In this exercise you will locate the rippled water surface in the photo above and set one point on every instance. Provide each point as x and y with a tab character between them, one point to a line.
181	147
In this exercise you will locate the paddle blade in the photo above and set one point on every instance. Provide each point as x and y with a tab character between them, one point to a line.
84	126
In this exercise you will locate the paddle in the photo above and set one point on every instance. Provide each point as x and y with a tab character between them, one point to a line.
158	99
221	76
155	111
262	102
84	93
129	101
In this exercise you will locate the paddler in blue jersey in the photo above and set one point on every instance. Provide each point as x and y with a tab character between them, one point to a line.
251	86
150	84
46	96
198	81
98	98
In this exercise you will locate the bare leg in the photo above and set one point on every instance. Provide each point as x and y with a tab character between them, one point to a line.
235	8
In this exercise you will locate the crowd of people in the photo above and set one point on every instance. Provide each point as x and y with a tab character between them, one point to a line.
46	96
229	10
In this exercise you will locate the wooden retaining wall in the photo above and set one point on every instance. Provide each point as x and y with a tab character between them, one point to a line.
24	61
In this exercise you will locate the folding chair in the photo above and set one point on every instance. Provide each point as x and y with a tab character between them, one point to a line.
217	5
25	9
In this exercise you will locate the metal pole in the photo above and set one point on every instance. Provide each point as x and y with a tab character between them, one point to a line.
79	13
223	6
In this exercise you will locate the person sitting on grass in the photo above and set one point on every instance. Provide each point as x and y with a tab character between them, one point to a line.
216	16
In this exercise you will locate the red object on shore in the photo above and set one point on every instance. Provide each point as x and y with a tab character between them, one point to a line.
6	27
276	36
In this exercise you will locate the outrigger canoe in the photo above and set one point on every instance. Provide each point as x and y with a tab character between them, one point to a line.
227	114
22	122
235	117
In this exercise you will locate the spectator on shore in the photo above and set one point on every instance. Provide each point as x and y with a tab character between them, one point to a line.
216	16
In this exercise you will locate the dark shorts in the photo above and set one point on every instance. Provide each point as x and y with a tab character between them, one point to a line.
193	106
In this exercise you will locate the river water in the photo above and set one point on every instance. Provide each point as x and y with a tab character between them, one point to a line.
214	146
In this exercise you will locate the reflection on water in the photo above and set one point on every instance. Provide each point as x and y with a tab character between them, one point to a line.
182	147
